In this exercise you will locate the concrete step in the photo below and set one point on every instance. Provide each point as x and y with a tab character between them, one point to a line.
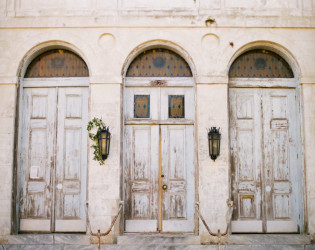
157	239
159	247
49	239
268	239
159	242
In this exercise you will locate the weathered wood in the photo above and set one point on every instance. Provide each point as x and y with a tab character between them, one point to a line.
142	181
282	168
178	172
265	169
36	159
246	160
71	159
53	159
141	173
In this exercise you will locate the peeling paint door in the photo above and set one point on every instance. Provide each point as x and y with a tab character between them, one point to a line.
266	170
52	159
178	176
36	158
159	150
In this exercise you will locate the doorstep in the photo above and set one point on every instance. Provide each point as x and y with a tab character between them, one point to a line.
49	239
268	239
158	239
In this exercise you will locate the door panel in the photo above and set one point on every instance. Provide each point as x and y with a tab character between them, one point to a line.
36	158
141	178
53	159
71	164
147	123
245	134
265	169
178	172
281	160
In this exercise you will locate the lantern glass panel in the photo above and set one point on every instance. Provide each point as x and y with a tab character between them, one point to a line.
104	142
214	137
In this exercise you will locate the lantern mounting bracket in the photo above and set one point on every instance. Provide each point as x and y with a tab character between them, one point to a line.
101	139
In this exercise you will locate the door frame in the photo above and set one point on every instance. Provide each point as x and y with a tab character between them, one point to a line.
278	83
28	57
36	83
180	82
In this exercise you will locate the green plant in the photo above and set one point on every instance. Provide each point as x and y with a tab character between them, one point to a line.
98	124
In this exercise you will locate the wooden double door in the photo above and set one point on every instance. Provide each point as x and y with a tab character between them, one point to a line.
265	160
159	177
52	159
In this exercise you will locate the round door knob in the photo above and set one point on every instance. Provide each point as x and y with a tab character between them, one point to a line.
164	187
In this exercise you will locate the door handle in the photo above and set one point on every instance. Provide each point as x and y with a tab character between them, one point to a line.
164	187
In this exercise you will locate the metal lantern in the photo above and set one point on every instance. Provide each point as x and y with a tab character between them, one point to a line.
104	142
214	138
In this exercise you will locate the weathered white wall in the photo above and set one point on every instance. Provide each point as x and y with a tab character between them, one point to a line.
309	147
7	120
105	33
212	110
103	181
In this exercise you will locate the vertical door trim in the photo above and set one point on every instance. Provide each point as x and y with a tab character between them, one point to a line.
160	181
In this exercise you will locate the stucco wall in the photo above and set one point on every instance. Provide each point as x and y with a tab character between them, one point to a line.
7	129
106	39
309	147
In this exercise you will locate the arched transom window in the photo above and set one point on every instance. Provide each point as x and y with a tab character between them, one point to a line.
159	63
260	63
57	63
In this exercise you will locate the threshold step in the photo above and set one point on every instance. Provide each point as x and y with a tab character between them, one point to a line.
49	239
160	239
268	239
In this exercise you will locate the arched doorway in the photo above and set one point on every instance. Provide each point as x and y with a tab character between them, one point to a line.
52	144
159	155
265	144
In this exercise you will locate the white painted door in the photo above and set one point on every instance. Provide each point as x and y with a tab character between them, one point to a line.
178	174
52	159
159	150
36	158
266	171
71	160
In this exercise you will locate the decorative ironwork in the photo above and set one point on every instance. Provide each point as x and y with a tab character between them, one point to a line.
260	63
176	106
142	106
159	63
228	220
57	63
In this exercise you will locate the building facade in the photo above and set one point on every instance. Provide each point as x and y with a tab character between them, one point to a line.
160	74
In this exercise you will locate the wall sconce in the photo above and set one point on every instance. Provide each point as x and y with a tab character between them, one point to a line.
104	142
214	137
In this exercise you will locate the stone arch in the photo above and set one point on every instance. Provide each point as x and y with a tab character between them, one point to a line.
265	126
44	47
159	108
158	63
270	46
154	44
61	108
57	63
